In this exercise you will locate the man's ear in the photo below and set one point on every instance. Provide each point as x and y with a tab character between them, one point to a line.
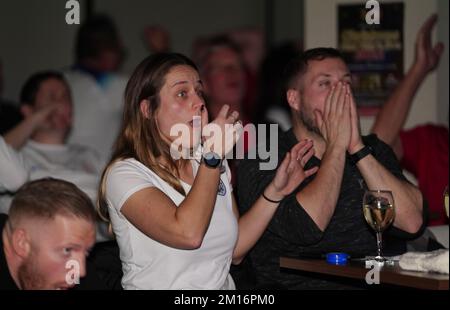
21	243
145	108
293	98
26	110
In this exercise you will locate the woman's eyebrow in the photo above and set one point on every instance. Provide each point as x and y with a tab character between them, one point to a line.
178	83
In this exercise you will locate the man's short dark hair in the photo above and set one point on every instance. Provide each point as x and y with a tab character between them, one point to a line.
298	65
99	33
34	82
47	198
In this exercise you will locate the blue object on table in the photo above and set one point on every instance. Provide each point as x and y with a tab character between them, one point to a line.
337	258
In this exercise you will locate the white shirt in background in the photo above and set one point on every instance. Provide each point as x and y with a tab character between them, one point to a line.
148	264
13	170
97	110
73	163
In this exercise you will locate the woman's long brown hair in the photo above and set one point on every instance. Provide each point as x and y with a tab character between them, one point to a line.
139	137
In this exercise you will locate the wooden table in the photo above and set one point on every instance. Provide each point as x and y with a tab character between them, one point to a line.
357	270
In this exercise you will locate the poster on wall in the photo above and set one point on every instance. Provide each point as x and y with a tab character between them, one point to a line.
373	52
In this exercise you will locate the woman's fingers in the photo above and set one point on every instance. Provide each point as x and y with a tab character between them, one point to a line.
224	114
301	148
311	171
307	156
224	111
300	154
285	163
226	132
233	117
296	149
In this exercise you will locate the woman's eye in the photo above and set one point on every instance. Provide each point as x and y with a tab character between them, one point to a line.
324	83
182	94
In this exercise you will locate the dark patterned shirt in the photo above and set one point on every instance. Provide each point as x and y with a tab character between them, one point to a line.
293	233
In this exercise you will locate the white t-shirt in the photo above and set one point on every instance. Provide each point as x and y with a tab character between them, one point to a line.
73	163
148	264
13	171
97	111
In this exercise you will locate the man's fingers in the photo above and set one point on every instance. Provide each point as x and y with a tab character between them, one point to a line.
341	103
336	100
326	109
353	112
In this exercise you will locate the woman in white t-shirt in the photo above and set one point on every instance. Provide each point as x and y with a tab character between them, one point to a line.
175	220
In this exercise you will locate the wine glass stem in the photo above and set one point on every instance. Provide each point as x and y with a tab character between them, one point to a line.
379	243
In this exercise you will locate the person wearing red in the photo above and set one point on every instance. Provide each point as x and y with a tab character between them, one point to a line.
425	154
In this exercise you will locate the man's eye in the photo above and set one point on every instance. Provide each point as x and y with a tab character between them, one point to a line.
67	251
324	83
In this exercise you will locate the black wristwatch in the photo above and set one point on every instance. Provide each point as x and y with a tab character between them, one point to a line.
366	150
212	160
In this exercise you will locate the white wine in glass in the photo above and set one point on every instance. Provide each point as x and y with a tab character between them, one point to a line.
379	212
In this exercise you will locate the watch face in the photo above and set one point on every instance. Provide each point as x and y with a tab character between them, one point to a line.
211	159
211	156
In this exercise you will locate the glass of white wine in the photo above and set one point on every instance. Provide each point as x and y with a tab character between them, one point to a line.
379	212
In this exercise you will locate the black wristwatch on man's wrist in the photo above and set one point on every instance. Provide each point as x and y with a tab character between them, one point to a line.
366	150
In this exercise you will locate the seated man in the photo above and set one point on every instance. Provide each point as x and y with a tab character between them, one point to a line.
325	214
36	148
46	238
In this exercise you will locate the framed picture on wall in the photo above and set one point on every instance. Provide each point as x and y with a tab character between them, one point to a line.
373	52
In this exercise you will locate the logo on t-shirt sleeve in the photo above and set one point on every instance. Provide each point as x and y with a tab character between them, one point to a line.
222	189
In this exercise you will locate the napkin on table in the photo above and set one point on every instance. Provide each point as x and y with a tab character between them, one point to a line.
435	261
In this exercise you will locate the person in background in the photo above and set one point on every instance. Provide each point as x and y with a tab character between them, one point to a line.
272	104
424	149
222	70
252	46
97	87
50	227
36	148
